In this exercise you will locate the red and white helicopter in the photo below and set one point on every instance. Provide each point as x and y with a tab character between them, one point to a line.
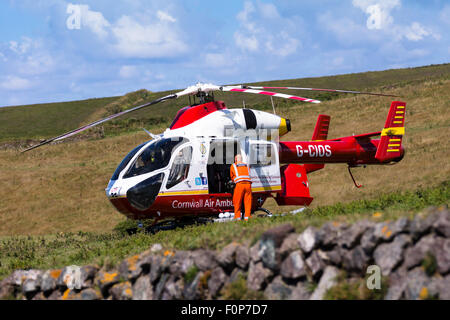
183	173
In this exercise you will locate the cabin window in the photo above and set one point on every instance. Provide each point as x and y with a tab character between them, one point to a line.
180	167
261	155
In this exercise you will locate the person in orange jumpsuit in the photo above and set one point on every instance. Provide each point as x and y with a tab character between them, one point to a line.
241	177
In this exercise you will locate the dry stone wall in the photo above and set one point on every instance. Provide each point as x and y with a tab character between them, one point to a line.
412	255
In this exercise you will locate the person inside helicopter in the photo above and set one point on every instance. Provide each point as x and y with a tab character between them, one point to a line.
155	156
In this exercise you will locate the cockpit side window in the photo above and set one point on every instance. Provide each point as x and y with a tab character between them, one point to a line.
180	167
155	156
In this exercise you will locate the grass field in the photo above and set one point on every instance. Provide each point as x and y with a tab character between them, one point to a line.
60	188
107	249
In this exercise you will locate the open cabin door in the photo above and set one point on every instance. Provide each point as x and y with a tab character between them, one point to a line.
264	166
221	157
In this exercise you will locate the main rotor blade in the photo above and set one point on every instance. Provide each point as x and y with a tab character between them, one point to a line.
95	123
268	93
318	89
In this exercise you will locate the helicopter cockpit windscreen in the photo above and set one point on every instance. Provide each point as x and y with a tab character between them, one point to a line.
155	156
125	161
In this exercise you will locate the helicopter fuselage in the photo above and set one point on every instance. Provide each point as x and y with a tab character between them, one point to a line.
185	171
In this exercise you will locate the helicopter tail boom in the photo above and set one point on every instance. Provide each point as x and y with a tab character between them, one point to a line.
355	150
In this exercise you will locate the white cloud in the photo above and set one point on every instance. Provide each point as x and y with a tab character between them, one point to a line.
3	57
246	38
15	83
269	11
262	29
163	16
217	60
21	47
445	14
95	21
152	40
379	18
243	16
249	42
36	63
378	11
346	30
128	72
416	32
140	35
28	57
287	46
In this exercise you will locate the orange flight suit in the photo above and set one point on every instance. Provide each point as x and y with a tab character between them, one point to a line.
241	177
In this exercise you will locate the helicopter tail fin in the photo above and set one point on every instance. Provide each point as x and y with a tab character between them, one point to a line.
320	133
321	128
390	146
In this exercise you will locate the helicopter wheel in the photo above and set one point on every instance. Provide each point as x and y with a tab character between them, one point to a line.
263	213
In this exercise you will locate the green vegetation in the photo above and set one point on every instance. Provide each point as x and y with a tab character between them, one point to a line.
107	249
355	289
190	274
396	201
237	290
429	264
46	120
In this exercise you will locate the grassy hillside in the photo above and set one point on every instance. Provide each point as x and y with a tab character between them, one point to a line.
60	188
48	120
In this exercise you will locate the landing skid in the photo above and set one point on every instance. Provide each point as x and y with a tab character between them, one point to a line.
266	213
170	225
173	224
181	223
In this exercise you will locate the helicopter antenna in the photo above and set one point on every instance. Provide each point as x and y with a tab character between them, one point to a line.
155	137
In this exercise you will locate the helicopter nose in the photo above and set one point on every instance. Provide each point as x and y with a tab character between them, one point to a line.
113	189
117	199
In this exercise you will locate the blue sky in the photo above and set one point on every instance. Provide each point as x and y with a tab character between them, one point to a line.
55	50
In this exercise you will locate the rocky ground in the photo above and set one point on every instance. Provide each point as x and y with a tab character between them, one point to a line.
327	263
